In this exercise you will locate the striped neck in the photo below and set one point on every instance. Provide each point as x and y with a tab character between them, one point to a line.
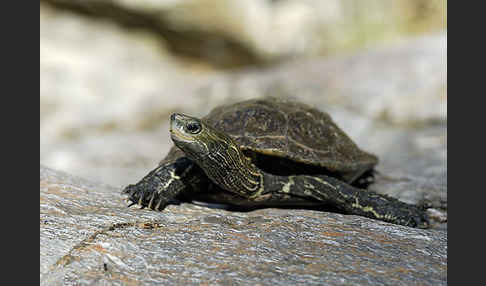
233	171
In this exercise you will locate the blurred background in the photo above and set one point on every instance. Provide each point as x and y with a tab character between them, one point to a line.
112	71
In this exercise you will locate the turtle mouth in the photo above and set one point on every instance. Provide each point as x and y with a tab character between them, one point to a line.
177	135
175	122
176	129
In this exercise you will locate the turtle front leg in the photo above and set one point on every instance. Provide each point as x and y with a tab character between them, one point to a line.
166	184
349	199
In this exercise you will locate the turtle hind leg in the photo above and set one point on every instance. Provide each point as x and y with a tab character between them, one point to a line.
389	209
348	199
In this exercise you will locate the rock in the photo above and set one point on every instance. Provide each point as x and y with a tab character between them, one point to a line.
106	93
402	84
89	236
229	33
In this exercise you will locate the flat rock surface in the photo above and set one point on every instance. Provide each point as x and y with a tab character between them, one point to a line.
88	236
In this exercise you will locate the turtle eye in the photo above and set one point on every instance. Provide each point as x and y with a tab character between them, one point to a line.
193	127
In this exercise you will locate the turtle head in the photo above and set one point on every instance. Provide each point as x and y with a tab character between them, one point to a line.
216	153
196	138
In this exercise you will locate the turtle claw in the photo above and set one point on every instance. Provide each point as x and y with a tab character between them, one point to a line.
131	204
422	220
138	195
150	205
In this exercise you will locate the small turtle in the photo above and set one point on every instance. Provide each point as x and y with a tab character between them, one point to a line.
268	153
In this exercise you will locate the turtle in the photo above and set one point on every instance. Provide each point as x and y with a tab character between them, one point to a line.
268	152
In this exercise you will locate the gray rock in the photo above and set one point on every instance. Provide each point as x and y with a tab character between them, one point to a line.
88	236
105	97
234	33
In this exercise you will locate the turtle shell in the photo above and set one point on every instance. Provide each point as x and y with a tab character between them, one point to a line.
285	137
